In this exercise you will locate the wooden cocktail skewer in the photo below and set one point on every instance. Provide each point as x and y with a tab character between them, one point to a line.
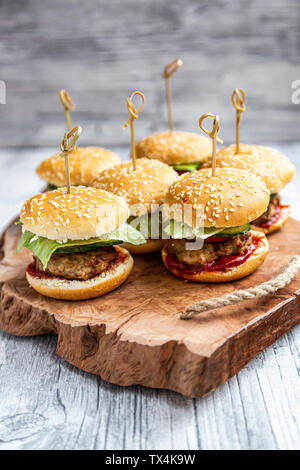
68	105
133	114
238	98
169	70
67	145
214	136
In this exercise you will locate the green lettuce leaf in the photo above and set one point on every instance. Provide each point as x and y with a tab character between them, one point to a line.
187	166
178	230
234	231
125	233
150	225
51	187
44	248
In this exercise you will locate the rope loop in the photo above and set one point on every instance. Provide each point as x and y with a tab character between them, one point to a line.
216	126
69	140
66	100
238	100
133	112
171	68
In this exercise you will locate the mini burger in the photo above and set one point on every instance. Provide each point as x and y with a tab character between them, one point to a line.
208	221
75	242
144	190
273	168
184	151
85	164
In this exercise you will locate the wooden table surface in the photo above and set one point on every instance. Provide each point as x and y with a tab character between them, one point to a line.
47	404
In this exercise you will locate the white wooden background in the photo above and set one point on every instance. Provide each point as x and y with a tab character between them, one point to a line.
47	404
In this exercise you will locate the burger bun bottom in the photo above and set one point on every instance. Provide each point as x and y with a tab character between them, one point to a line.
80	290
238	272
149	247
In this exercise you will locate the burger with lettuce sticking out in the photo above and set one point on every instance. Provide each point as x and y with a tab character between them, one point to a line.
85	163
274	168
266	163
208	219
143	184
76	242
74	233
144	189
184	151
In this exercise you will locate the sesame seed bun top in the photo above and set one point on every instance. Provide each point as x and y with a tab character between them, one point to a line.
141	187
84	213
175	147
269	164
85	164
230	199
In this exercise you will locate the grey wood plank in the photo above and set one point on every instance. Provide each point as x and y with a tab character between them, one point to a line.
101	51
80	411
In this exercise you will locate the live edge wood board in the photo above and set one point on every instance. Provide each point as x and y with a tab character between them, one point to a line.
134	335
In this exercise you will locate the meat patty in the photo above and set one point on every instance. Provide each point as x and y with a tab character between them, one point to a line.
270	212
210	251
81	266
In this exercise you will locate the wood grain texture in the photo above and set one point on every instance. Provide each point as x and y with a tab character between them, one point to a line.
133	335
103	50
47	404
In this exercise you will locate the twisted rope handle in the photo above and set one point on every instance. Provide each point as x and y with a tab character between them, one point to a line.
215	129
238	100
68	105
269	287
213	134
133	114
169	70
69	140
66	100
68	144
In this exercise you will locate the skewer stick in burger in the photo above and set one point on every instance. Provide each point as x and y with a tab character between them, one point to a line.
184	151
74	234
85	162
207	218
274	168
143	184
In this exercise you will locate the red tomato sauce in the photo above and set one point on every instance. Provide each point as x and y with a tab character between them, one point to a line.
217	239
34	272
276	217
221	264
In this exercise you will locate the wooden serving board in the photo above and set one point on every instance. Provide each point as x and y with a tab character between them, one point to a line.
134	335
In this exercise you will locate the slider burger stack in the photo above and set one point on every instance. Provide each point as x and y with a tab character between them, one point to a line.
144	189
273	168
184	151
85	164
208	219
75	241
